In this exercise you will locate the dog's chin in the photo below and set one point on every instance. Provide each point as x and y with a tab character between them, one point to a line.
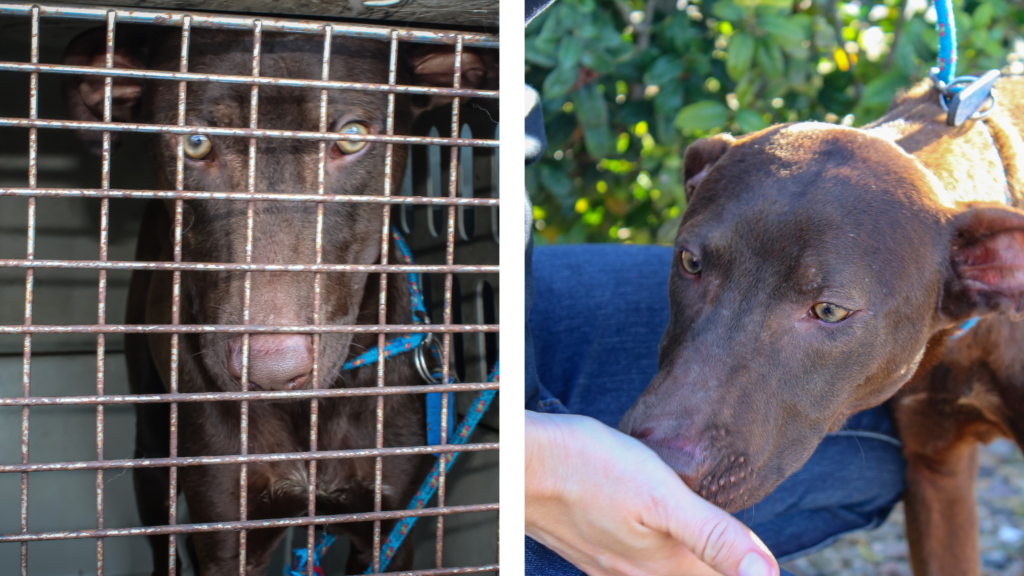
731	484
728	495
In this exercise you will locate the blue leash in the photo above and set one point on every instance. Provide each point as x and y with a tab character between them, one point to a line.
963	97
946	27
412	342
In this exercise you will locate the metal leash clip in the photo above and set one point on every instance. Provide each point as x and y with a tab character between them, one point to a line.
421	357
969	101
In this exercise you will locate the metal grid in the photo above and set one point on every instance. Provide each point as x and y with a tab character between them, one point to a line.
258	25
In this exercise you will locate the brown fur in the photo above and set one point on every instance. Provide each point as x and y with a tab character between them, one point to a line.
900	222
283	233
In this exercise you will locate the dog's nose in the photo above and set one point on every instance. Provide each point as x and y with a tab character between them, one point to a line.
276	361
683	454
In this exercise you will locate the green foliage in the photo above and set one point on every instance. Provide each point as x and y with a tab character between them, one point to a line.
627	84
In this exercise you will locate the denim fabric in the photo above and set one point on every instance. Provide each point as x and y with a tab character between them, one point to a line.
597	317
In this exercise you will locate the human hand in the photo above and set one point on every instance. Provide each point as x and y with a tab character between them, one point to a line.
609	505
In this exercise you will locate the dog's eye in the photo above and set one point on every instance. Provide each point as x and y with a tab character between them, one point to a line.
197	146
352	146
691	263
830	312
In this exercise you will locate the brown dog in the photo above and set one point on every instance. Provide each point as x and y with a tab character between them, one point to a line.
822	270
283	233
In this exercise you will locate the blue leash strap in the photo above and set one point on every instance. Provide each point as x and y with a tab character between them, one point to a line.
419	501
429	486
946	28
395	346
300	559
298	566
962	97
409	343
405	255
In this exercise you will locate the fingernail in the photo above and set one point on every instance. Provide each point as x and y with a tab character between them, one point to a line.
753	564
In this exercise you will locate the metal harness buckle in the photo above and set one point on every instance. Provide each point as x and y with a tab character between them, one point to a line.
969	101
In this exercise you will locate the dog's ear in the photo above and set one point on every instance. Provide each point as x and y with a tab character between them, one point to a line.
986	272
84	94
700	157
434	65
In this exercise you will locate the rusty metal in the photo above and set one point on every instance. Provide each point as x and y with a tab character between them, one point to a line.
314	404
230	79
243	459
248	267
240	132
385	244
226	22
179	206
316	392
26	367
243	474
446	571
243	329
262	196
453	182
235	396
248	525
101	315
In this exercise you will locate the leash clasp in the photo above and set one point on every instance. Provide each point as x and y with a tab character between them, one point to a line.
420	356
970	100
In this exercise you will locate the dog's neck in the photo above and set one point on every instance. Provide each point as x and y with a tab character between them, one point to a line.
983	170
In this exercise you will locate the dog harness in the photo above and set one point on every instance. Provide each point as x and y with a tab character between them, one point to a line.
419	343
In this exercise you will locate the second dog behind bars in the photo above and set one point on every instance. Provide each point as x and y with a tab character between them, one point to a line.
283	233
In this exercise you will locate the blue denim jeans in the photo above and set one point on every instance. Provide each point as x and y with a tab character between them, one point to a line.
597	315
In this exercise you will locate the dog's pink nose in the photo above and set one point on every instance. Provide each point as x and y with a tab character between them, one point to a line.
684	455
276	361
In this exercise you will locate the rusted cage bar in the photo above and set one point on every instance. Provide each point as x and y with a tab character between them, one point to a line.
449	329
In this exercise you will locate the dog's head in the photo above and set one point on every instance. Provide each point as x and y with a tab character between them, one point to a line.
282	232
813	267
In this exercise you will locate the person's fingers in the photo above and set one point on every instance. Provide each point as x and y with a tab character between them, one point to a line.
713	535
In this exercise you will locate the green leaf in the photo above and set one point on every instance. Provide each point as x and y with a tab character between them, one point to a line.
785	31
536	54
669	99
983	15
881	90
770	59
556	181
702	116
599	140
665	69
598	61
741	52
772	4
559	81
728	10
750	121
747	88
590	106
569	51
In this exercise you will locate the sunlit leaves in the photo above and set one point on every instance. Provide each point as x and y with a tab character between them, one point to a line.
623	99
702	116
740	55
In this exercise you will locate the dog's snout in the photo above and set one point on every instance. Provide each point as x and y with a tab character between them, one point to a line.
276	361
682	453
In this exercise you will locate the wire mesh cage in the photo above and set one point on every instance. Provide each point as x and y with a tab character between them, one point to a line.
290	364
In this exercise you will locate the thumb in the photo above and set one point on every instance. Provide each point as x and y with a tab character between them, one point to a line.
715	537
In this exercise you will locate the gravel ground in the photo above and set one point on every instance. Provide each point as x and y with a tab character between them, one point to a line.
883	552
